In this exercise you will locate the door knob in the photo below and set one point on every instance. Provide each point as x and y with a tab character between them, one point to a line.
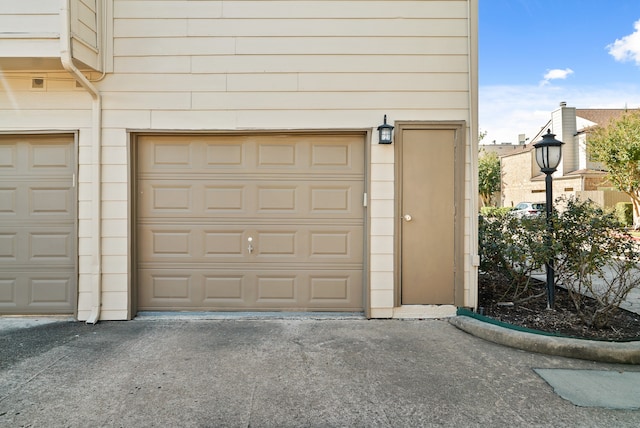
250	247
407	217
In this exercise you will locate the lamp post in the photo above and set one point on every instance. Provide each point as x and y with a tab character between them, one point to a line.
548	155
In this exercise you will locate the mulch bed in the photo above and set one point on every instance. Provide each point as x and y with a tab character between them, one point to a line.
495	302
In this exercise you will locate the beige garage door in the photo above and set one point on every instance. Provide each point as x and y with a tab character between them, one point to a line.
37	225
251	222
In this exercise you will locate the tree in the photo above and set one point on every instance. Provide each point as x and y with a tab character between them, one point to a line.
488	176
617	147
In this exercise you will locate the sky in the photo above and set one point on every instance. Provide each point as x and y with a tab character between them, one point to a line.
534	54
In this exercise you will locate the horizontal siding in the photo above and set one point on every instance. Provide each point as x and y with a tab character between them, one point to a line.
85	23
291	118
350	46
229	27
260	101
44	101
176	46
328	100
43	46
34	117
160	9
288	9
294	63
29	24
30	7
399	82
164	83
185	46
344	9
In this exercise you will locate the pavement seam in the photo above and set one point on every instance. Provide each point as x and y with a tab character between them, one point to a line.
23	384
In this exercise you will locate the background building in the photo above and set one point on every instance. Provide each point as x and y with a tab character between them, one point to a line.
577	176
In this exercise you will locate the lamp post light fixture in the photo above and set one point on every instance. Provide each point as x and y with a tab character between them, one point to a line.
385	132
548	155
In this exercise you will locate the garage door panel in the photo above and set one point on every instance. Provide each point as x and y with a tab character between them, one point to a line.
225	156
42	200
49	291
264	222
53	201
277	289
38	246
280	155
8	247
33	155
337	156
50	158
223	288
53	245
263	289
8	201
225	199
162	243
28	292
172	199
8	291
298	198
170	155
8	156
336	200
294	243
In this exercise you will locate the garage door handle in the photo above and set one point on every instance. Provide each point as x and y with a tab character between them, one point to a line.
250	247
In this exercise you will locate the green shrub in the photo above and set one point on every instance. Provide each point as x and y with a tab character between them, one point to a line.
512	249
494	211
594	257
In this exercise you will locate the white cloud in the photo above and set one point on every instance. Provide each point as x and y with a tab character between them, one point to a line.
507	111
554	74
628	47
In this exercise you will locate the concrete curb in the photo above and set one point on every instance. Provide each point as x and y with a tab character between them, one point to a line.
606	352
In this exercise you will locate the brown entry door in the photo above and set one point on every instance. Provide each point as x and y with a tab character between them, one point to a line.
428	216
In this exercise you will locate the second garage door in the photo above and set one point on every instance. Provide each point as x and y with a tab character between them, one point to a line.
38	231
250	222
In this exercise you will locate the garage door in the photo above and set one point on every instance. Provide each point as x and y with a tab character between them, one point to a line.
37	225
251	222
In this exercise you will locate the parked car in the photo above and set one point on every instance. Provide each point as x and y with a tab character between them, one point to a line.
528	209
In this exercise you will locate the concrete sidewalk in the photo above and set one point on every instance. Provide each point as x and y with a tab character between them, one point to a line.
281	373
631	303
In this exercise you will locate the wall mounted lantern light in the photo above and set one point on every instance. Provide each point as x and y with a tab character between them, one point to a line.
385	132
548	155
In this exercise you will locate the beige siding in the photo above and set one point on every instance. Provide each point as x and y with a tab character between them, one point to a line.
233	65
85	32
35	17
85	22
29	29
282	27
32	30
382	230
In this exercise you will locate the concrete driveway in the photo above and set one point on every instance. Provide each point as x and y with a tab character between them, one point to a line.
281	373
